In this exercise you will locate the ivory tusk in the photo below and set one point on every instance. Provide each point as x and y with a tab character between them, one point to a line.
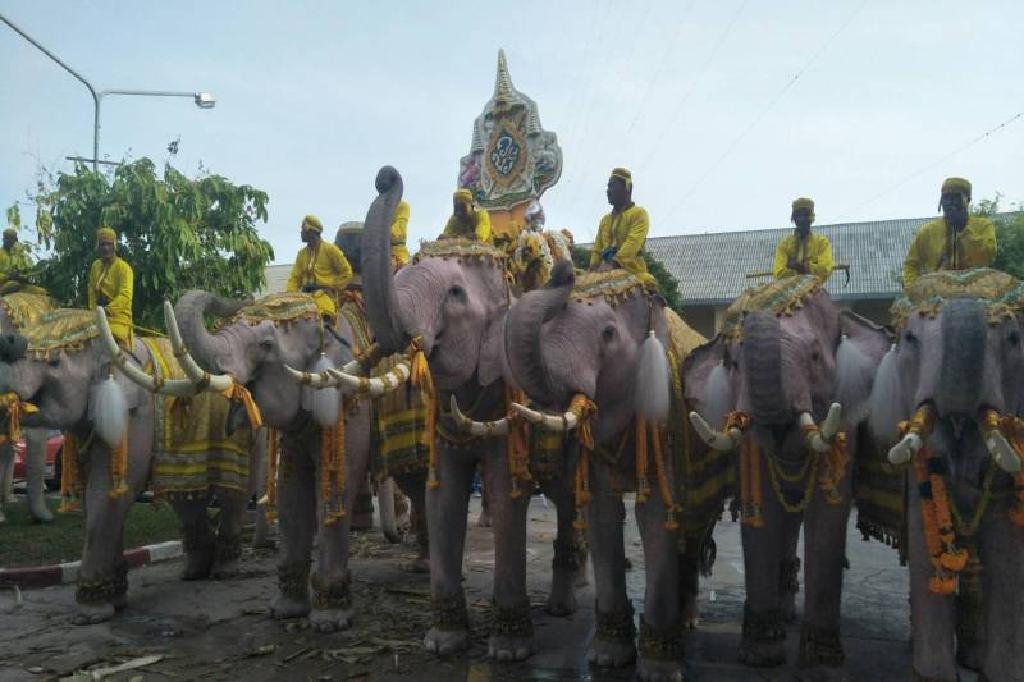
475	428
200	377
902	452
716	440
175	387
349	383
833	420
1002	452
549	422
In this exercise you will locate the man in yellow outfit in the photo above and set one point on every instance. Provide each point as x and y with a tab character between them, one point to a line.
621	234
111	286
320	269
14	259
957	241
803	253
399	234
467	222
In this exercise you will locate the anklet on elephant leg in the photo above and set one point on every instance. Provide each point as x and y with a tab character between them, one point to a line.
335	595
820	646
763	626
660	645
450	613
512	621
103	589
615	626
293	579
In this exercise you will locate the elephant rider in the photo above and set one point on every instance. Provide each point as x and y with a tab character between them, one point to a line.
621	234
957	241
399	229
320	269
803	252
111	286
467	222
14	259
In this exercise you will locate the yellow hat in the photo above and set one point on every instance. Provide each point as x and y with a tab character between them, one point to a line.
959	186
311	222
10	232
106	233
463	195
624	175
802	203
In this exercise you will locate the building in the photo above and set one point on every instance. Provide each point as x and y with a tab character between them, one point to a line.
712	269
277	278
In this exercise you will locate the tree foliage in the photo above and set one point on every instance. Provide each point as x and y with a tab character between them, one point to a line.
1009	235
668	285
176	233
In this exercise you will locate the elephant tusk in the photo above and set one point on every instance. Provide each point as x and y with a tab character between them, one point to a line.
352	367
175	387
902	452
202	379
1002	452
567	421
716	440
833	420
390	381
820	439
486	429
313	379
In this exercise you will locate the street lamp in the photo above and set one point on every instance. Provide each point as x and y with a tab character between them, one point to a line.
203	100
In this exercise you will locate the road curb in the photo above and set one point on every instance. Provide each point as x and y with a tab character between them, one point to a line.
62	574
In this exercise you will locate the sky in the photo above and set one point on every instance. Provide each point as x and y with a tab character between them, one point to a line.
724	110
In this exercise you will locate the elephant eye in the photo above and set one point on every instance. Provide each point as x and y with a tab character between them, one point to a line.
815	356
1013	338
457	293
909	336
608	334
266	345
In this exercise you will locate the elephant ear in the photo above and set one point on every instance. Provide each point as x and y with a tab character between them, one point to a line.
862	346
707	383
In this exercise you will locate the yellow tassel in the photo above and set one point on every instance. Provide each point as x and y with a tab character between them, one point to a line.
422	379
69	484
643	486
239	393
271	505
119	469
584	409
517	444
663	487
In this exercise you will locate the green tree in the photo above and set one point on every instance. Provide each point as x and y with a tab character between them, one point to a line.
1009	235
668	285
176	233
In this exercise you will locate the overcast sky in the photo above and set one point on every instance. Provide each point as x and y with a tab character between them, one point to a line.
700	99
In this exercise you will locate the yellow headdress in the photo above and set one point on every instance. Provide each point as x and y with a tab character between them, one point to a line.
311	222
11	232
463	195
106	233
959	186
802	203
624	175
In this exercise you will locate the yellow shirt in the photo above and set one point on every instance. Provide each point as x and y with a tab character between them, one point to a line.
482	233
627	232
975	247
115	280
815	253
326	267
399	228
15	259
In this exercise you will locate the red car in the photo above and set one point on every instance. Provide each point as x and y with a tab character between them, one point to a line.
54	443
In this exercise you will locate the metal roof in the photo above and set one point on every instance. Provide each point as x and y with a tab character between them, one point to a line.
712	267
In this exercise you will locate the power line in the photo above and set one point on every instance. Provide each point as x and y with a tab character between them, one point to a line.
924	169
764	112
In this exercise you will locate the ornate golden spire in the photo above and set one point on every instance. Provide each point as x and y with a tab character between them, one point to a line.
503	88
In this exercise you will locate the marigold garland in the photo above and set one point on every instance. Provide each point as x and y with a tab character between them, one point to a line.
422	379
119	469
271	494
643	486
69	476
584	408
332	470
518	443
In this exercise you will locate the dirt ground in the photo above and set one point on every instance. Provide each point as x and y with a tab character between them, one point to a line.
222	630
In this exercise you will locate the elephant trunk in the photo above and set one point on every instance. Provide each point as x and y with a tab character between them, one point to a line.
382	307
762	341
205	347
964	334
523	334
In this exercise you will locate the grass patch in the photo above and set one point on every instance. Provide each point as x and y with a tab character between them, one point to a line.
26	543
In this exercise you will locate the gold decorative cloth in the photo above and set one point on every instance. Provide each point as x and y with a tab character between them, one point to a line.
780	298
1003	294
278	308
614	286
61	329
25	309
468	249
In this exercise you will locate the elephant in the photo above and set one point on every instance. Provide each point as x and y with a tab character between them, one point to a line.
68	374
447	308
949	396
787	374
599	339
258	347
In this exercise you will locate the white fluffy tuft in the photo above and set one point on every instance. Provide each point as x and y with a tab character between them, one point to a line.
323	403
110	413
718	400
653	398
854	375
887	404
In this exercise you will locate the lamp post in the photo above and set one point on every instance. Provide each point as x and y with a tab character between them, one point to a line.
203	100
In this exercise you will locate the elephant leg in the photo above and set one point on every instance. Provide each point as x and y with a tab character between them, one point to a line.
698	553
763	642
789	566
569	557
35	474
613	644
6	475
970	625
197	537
932	616
228	549
485	506
512	629
361	511
446	523
414	485
824	546
386	504
660	646
1002	591
297	521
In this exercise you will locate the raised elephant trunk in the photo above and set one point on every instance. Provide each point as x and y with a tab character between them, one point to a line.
205	347
522	333
964	333
382	307
762	340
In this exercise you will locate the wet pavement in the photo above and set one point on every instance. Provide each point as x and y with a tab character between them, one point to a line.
222	630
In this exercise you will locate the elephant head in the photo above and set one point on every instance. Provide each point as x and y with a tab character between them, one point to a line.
453	304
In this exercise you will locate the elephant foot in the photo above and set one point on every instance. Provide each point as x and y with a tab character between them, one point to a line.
293	582
330	620
198	564
226	558
446	642
968	655
98	599
509	649
90	614
286	607
450	632
613	645
661	653
511	633
763	644
659	671
564	570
